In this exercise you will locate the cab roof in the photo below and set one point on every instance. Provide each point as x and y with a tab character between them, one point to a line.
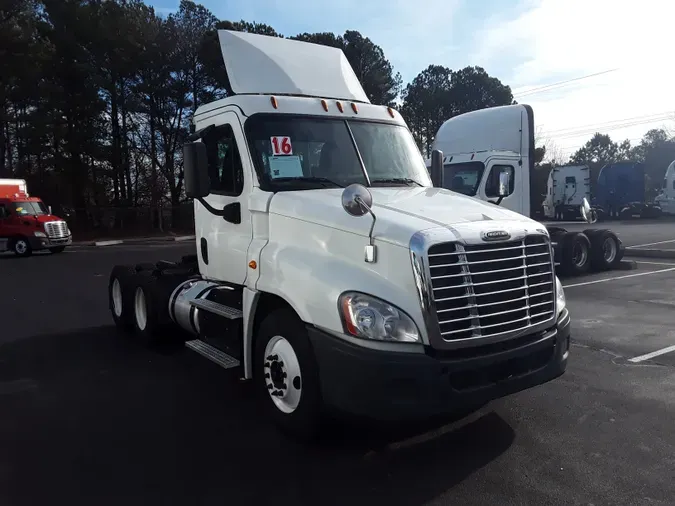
260	64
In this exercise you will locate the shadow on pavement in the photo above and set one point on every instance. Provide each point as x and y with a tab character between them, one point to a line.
90	418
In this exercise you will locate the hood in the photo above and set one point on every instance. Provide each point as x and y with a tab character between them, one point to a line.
401	212
46	218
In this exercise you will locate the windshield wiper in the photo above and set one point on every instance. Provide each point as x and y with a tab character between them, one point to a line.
394	180
306	179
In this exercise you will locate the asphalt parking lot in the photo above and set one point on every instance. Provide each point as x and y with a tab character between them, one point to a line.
88	417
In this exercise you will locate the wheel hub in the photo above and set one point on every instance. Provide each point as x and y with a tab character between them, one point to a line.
282	374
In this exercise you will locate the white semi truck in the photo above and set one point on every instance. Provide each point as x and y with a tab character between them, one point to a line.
477	147
666	199
566	189
329	270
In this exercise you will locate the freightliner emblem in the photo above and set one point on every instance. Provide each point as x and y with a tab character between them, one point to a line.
495	235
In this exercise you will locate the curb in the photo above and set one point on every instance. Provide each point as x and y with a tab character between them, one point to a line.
650	253
146	240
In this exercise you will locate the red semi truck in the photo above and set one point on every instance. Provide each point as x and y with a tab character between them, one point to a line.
27	224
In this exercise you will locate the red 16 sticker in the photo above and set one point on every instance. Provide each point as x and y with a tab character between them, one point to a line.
281	145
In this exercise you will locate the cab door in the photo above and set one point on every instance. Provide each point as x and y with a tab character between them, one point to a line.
515	200
223	242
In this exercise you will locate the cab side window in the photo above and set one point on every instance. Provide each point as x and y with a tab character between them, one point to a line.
224	162
4	212
492	183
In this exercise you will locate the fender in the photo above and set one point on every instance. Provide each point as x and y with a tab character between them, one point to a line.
311	265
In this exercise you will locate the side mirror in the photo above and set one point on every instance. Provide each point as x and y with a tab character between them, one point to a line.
587	213
436	170
358	201
503	189
197	182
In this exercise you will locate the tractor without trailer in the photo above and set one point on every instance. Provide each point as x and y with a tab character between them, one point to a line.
473	152
27	224
329	270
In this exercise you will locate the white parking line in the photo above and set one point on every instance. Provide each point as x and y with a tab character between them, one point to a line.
655	263
653	354
619	277
650	244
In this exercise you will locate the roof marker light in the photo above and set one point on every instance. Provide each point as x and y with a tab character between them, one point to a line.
354	108
391	111
339	106
324	104
275	104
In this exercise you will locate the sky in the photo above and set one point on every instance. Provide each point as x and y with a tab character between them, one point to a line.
531	45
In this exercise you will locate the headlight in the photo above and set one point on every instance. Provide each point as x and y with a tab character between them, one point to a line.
371	318
39	234
559	295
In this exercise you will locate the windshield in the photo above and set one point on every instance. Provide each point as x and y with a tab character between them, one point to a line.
292	152
463	177
30	208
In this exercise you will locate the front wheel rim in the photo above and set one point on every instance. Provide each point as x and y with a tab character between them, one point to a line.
283	378
140	309
21	247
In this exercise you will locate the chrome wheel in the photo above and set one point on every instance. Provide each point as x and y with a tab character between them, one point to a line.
609	250
21	247
282	374
580	255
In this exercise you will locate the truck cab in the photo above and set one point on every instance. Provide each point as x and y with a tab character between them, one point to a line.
666	199
328	267
27	224
566	189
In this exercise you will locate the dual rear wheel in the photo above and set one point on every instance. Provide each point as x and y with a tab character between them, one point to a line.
286	375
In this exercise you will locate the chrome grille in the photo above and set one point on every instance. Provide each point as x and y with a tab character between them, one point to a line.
492	289
56	229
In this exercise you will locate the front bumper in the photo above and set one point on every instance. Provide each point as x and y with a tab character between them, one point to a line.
38	243
393	386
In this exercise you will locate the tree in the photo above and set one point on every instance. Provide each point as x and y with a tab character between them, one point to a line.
656	151
374	71
438	93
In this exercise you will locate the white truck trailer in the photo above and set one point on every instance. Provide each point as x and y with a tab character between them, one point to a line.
566	189
477	147
329	270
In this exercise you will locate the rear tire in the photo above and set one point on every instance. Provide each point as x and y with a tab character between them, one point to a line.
293	401
151	320
576	254
606	250
120	296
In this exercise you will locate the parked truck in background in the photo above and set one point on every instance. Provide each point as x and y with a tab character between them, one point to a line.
620	192
566	189
27	224
329	270
666	199
478	147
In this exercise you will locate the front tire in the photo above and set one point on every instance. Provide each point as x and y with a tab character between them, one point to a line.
21	247
287	376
